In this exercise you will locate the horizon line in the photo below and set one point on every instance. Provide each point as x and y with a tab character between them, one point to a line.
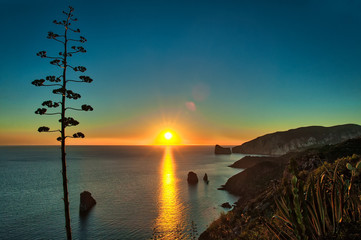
151	145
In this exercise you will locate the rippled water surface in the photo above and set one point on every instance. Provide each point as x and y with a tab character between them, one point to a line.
141	191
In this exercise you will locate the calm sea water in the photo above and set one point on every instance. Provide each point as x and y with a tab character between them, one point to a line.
141	191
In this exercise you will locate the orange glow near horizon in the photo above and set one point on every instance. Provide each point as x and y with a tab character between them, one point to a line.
150	135
169	220
29	139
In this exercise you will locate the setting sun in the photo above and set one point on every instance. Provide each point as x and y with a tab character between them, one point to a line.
167	137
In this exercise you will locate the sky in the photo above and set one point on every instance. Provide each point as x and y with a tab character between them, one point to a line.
213	72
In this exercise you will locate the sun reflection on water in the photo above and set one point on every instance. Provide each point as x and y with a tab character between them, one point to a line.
169	224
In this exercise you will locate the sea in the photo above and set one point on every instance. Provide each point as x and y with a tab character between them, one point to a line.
141	191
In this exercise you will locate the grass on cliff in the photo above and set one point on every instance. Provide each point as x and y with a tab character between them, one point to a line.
321	200
325	206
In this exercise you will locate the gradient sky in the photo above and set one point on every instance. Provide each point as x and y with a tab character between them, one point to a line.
213	71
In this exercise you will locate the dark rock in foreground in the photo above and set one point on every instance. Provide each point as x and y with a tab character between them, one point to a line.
205	178
86	202
221	150
298	139
226	205
192	178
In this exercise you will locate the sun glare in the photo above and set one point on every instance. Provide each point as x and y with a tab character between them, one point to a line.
167	137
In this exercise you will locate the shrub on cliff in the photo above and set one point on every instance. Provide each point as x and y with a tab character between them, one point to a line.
327	206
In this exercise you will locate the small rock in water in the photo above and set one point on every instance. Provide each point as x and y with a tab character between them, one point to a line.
205	178
226	205
192	178
86	202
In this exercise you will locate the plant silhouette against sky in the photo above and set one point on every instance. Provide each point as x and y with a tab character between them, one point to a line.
70	46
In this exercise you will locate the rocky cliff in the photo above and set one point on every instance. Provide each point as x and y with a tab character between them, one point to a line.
261	183
253	181
299	139
255	178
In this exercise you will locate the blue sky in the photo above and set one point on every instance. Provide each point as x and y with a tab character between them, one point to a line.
248	68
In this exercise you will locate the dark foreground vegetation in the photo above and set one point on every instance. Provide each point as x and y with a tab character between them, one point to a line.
314	194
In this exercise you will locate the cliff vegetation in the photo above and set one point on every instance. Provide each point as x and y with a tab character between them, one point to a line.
313	194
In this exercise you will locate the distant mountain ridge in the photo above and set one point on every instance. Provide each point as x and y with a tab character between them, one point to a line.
298	139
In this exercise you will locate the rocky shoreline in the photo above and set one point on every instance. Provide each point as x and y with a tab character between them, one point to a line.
262	179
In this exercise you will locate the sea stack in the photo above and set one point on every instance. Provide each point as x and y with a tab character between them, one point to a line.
86	202
192	178
205	178
221	150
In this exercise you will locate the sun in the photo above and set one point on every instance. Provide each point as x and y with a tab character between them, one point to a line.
168	135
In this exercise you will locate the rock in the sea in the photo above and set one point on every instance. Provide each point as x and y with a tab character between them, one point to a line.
192	178
226	205
86	202
221	150
205	178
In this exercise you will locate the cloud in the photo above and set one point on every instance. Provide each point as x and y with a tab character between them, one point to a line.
191	106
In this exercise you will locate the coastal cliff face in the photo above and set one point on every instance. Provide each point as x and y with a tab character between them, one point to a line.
262	182
295	140
252	181
261	170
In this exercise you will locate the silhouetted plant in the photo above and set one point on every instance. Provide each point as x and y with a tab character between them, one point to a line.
318	211
61	81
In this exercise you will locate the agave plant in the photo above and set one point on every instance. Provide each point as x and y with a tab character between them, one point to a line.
317	211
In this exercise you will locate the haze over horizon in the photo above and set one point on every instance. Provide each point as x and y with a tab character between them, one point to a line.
211	71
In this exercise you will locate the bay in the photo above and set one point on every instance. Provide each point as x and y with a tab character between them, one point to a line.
141	191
